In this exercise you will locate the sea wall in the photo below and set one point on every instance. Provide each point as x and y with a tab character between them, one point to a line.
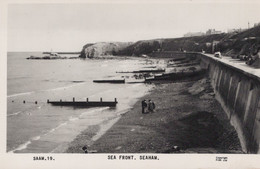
238	91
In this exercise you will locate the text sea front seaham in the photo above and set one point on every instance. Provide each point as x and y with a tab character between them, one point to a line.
132	157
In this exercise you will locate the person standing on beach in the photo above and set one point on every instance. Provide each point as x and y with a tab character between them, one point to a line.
151	106
144	106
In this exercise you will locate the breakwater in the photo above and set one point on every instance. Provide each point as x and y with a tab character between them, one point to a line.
237	88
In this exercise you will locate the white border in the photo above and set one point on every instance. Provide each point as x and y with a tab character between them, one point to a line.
71	161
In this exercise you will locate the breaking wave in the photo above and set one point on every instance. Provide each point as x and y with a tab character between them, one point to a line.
13	114
19	94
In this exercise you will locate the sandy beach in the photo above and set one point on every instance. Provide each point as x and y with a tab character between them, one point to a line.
186	115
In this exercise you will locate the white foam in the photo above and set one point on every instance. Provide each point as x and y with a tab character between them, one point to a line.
13	114
123	111
52	130
62	88
36	138
93	111
21	147
62	124
25	145
19	94
73	119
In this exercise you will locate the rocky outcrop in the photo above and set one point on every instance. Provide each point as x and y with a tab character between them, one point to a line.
102	49
142	47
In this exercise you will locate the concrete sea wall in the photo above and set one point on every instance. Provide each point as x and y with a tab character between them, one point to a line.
237	89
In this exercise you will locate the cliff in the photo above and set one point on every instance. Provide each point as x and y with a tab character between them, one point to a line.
102	49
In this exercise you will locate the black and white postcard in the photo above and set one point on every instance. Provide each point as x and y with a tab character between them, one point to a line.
123	84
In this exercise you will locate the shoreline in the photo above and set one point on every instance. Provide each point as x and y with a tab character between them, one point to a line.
94	132
187	116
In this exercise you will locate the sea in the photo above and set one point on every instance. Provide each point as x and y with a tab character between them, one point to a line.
44	128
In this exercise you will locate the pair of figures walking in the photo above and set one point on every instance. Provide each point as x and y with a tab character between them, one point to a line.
148	107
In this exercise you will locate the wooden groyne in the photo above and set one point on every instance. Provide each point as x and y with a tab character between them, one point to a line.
176	76
86	103
144	71
109	81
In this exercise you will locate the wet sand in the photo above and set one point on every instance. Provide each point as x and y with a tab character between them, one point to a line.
186	115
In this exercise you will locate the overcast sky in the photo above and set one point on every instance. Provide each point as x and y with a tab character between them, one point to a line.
67	27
